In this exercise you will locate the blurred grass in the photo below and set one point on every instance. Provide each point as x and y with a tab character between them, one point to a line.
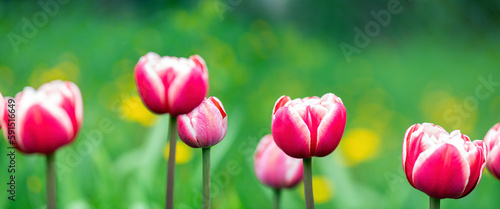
393	83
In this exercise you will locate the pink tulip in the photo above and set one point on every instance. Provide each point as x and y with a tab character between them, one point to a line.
492	139
275	168
442	165
170	84
205	126
47	118
308	127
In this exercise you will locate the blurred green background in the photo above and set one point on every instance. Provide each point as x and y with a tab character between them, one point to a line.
434	61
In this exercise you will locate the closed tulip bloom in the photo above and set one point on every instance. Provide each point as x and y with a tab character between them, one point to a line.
47	118
275	168
442	165
205	126
308	127
170	84
492	139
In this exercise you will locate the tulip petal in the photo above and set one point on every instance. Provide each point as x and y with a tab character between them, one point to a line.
151	88
290	133
493	161
273	167
45	129
330	130
418	142
186	91
186	131
476	159
406	140
441	172
209	124
280	103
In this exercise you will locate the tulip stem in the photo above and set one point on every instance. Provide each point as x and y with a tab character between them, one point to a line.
308	188
434	203
206	178
51	181
277	196
171	162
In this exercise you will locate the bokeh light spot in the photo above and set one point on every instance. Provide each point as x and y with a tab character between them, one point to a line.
183	153
360	145
322	189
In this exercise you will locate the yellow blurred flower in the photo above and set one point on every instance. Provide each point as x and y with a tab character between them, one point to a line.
360	145
322	189
34	184
132	109
183	153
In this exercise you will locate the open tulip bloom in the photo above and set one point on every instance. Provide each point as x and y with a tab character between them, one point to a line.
175	86
204	127
275	168
492	139
44	120
308	127
442	165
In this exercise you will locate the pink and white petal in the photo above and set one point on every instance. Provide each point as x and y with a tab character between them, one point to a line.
78	103
493	162
330	130
441	172
290	133
72	104
215	101
151	89
433	130
406	140
186	92
200	63
209	124
49	129
313	117
418	143
476	159
186	131
280	103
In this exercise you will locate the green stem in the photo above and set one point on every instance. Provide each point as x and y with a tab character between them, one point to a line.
434	203
206	178
171	162
51	181
308	188
277	195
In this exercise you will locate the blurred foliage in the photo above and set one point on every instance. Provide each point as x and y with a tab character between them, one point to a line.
425	66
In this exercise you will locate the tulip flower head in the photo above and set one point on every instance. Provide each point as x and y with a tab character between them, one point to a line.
170	84
275	168
492	139
205	126
308	127
442	164
47	118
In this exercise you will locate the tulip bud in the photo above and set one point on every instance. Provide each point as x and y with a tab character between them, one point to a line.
170	84
275	168
47	118
205	126
442	165
492	139
308	127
